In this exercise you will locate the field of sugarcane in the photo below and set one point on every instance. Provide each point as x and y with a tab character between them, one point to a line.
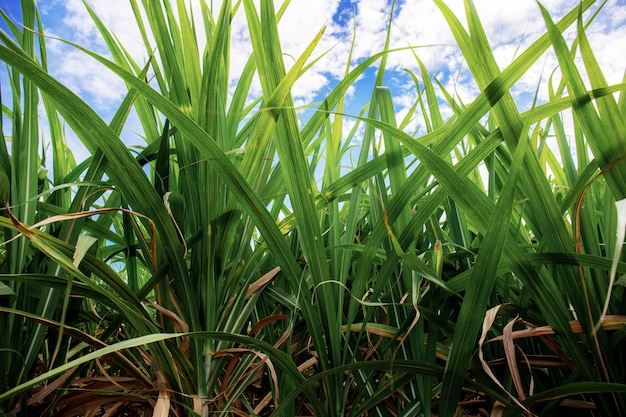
233	266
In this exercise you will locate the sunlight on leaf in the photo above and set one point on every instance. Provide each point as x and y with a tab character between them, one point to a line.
620	231
82	246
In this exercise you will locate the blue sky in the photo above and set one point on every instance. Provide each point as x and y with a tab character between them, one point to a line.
509	25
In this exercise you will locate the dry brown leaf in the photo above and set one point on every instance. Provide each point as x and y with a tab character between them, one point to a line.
578	404
308	363
197	404
263	403
259	283
179	323
608	323
509	351
162	407
497	410
52	386
490	317
266	321
264	360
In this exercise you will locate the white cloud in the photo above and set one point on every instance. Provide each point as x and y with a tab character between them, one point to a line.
510	28
85	76
416	23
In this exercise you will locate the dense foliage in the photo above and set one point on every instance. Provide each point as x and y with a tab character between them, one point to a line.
233	266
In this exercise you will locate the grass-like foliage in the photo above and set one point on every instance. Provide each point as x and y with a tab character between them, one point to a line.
233	267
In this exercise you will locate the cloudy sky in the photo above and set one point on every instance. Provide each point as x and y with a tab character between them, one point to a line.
510	27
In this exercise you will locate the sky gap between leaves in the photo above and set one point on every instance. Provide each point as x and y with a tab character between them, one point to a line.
510	27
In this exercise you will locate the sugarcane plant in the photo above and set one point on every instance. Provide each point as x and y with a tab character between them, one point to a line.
235	265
